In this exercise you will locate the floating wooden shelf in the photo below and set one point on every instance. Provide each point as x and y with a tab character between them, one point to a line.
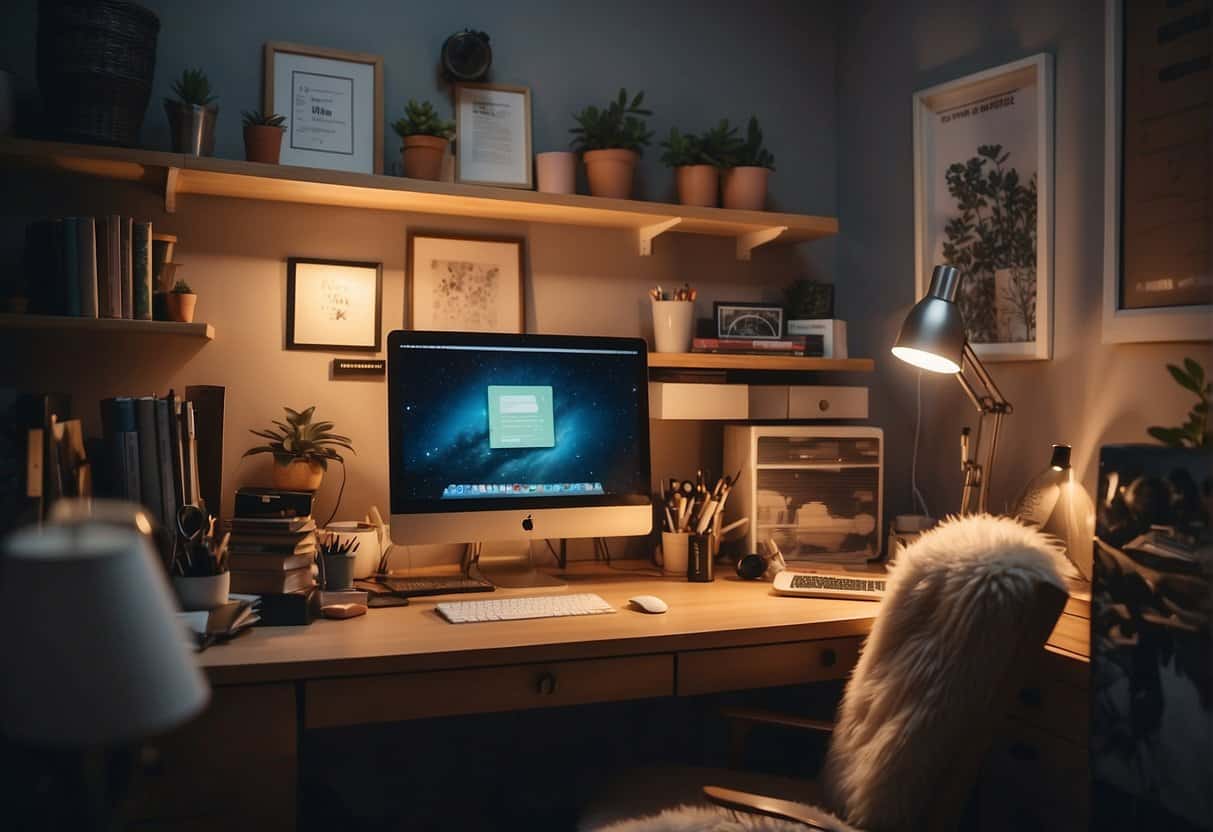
62	323
726	361
178	175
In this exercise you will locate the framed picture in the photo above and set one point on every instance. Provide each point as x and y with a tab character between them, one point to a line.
465	284
983	202
1158	203
493	135
333	104
751	321
333	305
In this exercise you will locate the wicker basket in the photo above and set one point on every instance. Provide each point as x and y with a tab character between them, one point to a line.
96	59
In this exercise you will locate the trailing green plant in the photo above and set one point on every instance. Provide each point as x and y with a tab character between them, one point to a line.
193	88
1195	432
751	152
620	125
256	118
301	438
182	288
421	119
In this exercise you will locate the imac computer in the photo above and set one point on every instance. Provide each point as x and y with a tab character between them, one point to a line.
504	439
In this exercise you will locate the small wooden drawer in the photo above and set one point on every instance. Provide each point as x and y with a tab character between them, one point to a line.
330	703
771	665
1034	780
1061	710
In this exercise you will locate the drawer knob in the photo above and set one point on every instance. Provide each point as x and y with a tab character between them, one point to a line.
823	405
1031	697
828	657
545	685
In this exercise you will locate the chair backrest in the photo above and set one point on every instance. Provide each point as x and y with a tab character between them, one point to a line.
968	608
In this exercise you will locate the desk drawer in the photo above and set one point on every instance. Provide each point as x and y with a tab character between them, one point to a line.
359	699
771	665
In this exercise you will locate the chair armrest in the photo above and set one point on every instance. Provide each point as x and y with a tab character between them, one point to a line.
760	717
763	805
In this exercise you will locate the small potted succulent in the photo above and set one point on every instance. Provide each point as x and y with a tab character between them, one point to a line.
263	136
181	301
697	161
610	141
745	180
192	115
301	448
426	137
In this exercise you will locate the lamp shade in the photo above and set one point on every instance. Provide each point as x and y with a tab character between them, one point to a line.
933	334
91	649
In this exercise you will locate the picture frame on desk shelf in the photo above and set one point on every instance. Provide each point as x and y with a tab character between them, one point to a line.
334	305
493	135
459	283
748	320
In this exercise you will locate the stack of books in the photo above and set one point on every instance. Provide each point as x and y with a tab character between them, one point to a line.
791	345
271	550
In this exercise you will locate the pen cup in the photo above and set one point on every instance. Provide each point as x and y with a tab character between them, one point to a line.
701	554
674	553
204	592
673	324
338	572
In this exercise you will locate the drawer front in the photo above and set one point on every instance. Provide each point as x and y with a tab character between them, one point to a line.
1059	709
817	402
771	665
676	400
1034	780
362	699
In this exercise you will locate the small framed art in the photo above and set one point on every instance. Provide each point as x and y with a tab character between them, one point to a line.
465	284
752	321
493	135
333	305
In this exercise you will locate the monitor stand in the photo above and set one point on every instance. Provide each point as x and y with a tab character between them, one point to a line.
506	564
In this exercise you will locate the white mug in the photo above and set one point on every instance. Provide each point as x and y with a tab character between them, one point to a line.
673	323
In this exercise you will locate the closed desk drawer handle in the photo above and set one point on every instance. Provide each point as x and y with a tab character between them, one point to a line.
829	658
545	685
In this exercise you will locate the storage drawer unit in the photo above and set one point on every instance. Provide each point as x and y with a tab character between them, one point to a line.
771	665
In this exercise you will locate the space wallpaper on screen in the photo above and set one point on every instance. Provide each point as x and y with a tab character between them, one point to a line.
444	421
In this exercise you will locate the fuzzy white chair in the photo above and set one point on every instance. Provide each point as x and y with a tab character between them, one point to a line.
967	608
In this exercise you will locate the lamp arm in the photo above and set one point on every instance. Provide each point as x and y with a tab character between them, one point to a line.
978	468
997	401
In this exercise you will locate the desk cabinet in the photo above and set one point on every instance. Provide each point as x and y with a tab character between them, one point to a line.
766	666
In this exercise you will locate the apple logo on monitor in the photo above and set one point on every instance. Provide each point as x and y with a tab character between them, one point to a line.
528	524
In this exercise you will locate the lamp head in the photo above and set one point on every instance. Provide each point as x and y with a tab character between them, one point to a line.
933	335
1060	460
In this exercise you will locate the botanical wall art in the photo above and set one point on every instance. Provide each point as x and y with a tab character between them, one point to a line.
465	284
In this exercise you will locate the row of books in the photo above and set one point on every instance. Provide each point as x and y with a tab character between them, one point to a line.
90	268
793	345
271	550
43	456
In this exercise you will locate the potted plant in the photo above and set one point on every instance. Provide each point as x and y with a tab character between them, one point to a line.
301	448
263	136
697	161
426	137
181	302
611	141
191	117
745	181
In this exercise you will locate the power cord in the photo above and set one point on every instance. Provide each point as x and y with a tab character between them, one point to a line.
916	497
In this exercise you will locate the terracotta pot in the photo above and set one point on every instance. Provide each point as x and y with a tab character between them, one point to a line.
263	143
697	184
422	156
298	475
745	188
610	172
181	307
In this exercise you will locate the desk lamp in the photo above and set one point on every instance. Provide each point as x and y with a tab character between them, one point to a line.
933	338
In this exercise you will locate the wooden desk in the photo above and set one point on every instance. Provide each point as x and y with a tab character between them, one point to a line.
408	663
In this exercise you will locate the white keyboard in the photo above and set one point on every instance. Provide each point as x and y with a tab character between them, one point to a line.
524	606
829	586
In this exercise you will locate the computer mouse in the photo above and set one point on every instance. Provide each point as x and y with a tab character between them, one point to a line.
649	603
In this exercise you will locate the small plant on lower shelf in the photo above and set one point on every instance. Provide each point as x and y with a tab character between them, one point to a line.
426	136
193	88
421	119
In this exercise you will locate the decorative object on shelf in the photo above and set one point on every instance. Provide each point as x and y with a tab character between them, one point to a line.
830	334
673	319
983	182
697	161
746	178
333	305
465	284
556	172
302	449
95	64
610	141
493	135
426	139
1195	432
467	56
748	320
933	338
1157	268
1056	503
192	115
181	302
162	253
809	300
333	101
263	136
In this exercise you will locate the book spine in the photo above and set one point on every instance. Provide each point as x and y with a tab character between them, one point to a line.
113	228
70	271
174	433
141	259
126	228
164	449
104	308
86	243
208	403
149	469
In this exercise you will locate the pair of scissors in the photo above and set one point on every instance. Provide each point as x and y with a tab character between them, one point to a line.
192	526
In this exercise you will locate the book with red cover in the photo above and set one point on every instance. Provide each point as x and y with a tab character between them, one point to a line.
782	346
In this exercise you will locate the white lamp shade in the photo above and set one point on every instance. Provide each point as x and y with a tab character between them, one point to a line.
91	647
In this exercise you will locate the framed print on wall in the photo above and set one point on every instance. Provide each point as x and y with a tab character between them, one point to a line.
333	305
983	202
465	284
1158	200
333	104
493	135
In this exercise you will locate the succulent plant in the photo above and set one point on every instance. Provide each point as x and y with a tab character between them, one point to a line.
751	152
194	88
256	118
301	438
617	126
421	119
182	288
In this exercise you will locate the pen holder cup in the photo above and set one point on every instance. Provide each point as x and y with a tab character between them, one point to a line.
674	553
701	557
339	572
673	325
202	593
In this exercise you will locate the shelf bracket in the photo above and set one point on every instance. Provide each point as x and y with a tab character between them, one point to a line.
171	176
747	242
645	234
